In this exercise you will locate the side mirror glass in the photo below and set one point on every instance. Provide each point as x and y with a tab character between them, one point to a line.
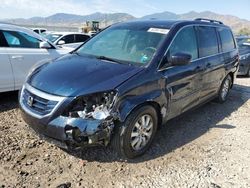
179	59
61	42
44	45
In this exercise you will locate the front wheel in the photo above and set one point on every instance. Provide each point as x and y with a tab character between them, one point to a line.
133	137
224	89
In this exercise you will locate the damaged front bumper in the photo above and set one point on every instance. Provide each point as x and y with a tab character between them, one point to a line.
43	112
67	132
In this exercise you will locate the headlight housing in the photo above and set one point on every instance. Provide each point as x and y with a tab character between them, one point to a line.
94	106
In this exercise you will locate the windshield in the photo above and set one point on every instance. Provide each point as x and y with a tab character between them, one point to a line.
125	44
52	37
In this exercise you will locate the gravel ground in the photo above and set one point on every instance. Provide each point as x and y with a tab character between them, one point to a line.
207	147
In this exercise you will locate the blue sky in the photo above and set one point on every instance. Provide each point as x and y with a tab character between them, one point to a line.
31	8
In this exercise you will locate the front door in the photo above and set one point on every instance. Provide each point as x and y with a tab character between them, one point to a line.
184	82
6	74
24	51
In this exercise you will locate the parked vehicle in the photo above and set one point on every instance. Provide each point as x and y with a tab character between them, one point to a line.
129	79
20	49
40	31
244	49
67	39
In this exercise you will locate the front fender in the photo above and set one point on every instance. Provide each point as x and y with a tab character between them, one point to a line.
130	102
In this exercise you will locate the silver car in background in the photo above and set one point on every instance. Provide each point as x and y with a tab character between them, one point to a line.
67	39
20	50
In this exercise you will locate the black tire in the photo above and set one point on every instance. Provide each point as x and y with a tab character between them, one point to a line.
224	89
122	138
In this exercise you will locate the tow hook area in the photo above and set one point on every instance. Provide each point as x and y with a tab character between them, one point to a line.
84	132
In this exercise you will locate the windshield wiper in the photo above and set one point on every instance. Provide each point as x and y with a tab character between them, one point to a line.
74	52
108	59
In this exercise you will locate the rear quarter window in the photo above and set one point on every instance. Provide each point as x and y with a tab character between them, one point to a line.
227	41
68	39
81	38
208	42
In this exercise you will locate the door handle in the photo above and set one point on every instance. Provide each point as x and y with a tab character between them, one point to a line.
209	65
17	57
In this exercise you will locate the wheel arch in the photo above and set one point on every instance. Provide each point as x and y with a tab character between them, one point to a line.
133	108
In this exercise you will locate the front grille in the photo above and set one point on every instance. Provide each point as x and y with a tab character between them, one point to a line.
37	104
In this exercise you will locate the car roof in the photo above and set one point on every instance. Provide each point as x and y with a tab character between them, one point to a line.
12	27
38	28
170	23
150	23
66	33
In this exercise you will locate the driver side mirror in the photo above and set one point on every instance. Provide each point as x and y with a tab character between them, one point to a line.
44	45
61	42
179	59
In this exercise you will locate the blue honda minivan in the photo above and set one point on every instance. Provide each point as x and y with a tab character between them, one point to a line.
128	80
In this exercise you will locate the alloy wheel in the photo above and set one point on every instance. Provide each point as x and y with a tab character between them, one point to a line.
225	89
142	132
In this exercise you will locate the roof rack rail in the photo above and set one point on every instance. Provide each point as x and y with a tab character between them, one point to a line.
209	20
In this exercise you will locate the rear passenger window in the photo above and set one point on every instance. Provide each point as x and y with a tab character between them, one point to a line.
208	43
36	31
81	38
68	39
17	39
227	40
184	42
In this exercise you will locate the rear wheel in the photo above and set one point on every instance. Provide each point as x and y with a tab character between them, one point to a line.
224	89
133	137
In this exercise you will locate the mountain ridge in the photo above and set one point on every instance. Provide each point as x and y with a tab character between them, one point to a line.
74	20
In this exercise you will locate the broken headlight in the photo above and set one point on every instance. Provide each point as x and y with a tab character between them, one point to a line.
95	106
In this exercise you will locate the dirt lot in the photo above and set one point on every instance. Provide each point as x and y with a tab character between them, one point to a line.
208	147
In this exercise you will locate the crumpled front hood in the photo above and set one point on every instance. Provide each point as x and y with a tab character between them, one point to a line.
74	75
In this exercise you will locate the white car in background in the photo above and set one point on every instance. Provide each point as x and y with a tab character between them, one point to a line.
40	31
67	39
21	49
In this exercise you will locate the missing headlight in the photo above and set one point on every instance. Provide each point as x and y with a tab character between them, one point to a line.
96	106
